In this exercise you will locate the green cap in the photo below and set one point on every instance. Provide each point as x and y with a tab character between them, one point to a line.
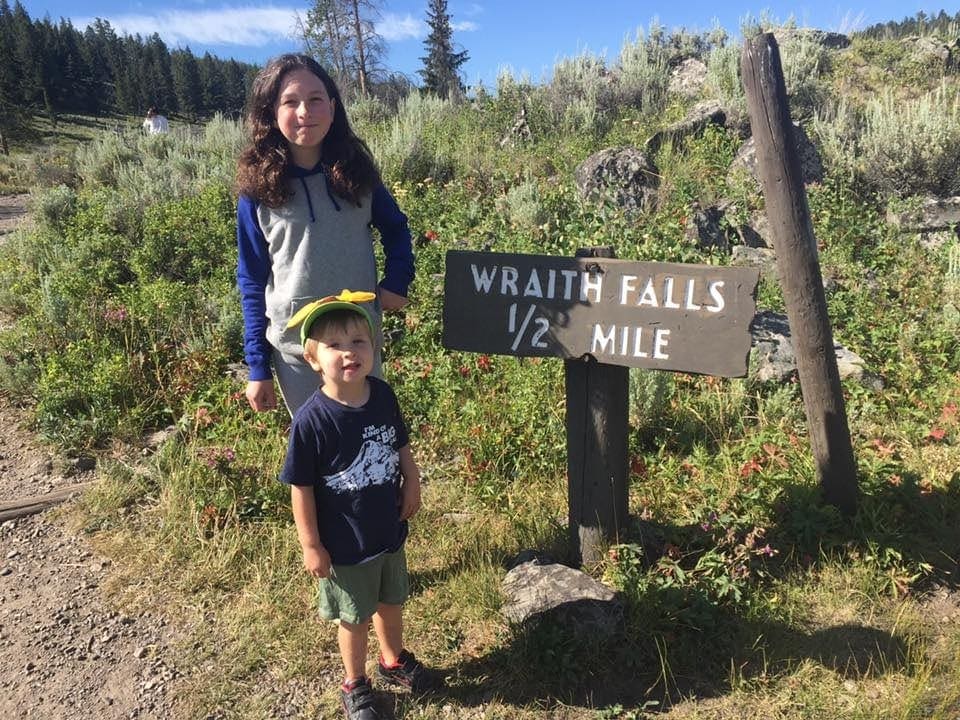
346	300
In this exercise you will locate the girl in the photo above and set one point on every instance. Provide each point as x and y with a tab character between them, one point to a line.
309	192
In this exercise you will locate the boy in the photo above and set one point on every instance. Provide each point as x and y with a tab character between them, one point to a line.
353	484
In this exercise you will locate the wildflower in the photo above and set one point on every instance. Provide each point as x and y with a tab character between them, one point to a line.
116	314
431	235
484	363
464	371
766	551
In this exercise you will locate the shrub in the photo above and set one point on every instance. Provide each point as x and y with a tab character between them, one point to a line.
894	148
411	150
189	240
723	77
643	76
522	206
99	161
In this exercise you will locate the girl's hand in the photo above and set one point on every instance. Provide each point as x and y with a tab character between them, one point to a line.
390	300
316	560
261	395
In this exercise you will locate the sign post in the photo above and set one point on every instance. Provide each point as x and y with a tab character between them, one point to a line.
596	312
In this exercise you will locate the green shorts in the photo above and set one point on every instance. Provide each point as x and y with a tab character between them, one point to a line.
352	592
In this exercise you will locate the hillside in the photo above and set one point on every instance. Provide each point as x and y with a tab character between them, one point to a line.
742	594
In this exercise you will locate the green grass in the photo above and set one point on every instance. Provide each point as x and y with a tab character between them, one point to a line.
743	595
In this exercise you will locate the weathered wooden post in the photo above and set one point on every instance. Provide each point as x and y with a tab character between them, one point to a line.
798	268
597	463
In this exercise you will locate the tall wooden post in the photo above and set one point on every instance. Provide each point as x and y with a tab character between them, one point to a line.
799	270
597	421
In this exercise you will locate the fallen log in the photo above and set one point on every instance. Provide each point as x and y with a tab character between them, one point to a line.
22	507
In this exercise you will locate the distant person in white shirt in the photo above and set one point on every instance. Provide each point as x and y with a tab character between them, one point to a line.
155	122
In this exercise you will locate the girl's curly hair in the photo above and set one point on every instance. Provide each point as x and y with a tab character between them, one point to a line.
263	166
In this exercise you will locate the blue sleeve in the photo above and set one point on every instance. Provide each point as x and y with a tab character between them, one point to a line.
387	217
253	271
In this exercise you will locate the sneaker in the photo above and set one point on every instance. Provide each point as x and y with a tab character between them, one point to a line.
358	700
410	673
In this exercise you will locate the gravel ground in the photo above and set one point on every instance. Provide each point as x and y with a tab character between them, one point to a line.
65	653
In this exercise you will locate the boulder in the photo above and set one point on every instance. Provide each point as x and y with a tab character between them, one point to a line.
929	49
811	166
571	597
619	176
824	38
774	358
705	228
933	213
760	257
697	120
687	78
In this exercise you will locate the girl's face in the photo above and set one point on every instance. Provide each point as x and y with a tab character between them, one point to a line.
304	113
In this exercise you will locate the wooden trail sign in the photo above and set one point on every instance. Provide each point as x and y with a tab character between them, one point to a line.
664	316
602	316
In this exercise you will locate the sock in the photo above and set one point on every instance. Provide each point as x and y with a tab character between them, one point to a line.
350	683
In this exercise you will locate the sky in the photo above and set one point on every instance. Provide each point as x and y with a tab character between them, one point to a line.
526	37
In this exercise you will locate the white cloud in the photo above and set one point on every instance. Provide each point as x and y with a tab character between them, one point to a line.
401	27
254	26
246	26
396	28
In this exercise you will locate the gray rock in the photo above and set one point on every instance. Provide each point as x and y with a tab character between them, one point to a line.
705	229
761	257
697	120
933	213
571	596
928	49
687	78
811	166
825	38
774	357
620	176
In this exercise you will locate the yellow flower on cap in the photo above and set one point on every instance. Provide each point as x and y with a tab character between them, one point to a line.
346	300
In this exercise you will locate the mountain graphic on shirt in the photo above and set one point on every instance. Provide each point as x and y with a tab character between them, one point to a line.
375	464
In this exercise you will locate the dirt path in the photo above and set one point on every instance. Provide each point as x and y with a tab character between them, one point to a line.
13	209
65	653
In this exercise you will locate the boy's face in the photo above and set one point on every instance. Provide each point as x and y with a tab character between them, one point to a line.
342	354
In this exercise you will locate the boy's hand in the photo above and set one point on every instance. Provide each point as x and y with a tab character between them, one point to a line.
316	560
409	497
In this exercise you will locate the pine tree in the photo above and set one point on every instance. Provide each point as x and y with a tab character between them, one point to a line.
441	66
213	84
11	116
186	83
158	75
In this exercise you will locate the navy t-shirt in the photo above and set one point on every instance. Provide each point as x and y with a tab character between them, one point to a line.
351	458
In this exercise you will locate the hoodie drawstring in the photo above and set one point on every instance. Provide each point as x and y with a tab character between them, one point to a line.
306	191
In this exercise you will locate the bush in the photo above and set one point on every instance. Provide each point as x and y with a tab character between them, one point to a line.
189	240
412	150
897	148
